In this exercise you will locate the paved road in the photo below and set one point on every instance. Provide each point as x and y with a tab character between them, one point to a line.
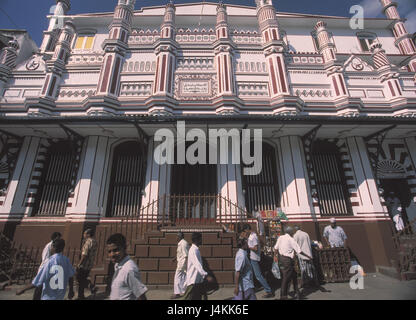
376	286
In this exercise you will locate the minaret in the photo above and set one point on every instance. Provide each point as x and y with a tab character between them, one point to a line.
56	65
223	54
8	57
51	36
403	38
273	48
115	47
388	77
332	67
166	54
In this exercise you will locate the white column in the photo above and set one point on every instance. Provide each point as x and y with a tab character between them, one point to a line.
367	188
151	190
89	200
14	203
296	198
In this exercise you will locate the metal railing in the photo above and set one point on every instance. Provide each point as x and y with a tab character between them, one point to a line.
20	264
405	244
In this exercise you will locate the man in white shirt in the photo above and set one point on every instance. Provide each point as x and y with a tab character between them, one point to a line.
182	263
255	253
285	248
257	215
195	273
46	253
306	265
126	283
335	235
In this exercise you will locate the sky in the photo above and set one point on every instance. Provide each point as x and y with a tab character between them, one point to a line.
31	14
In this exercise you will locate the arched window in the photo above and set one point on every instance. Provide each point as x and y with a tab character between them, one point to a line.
127	180
56	180
261	190
330	179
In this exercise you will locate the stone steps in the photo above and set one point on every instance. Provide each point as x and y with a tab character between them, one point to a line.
154	253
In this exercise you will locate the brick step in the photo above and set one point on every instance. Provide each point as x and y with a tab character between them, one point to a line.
407	276
389	272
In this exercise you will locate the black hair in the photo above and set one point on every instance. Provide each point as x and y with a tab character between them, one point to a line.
58	245
56	235
241	242
246	227
196	236
90	232
118	239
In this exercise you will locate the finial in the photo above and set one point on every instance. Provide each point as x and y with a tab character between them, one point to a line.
13	44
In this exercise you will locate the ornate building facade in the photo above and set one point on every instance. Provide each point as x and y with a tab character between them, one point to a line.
336	107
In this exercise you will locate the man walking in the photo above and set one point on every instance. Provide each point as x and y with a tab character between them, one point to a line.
286	247
306	265
255	254
46	253
244	282
195	273
126	283
182	261
88	252
335	235
54	276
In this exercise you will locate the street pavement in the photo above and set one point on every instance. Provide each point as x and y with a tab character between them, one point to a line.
376	287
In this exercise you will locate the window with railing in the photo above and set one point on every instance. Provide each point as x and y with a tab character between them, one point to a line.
261	190
56	180
127	180
330	179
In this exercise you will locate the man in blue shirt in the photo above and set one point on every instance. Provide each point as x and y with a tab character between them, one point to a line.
244	289
54	276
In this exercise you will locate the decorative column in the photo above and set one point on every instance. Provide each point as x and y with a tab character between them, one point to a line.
403	38
388	77
296	199
333	68
273	48
223	54
166	54
56	65
369	203
8	57
115	47
51	36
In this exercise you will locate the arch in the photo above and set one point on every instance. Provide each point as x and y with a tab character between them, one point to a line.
390	169
128	171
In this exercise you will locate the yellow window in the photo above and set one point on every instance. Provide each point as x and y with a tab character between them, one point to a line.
79	43
88	43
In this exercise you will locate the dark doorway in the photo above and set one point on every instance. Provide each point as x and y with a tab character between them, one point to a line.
401	190
193	191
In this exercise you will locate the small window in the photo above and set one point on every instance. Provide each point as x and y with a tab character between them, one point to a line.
84	42
366	41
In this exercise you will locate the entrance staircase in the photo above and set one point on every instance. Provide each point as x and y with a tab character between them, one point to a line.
152	238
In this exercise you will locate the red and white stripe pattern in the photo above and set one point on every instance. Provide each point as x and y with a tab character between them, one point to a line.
326	46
